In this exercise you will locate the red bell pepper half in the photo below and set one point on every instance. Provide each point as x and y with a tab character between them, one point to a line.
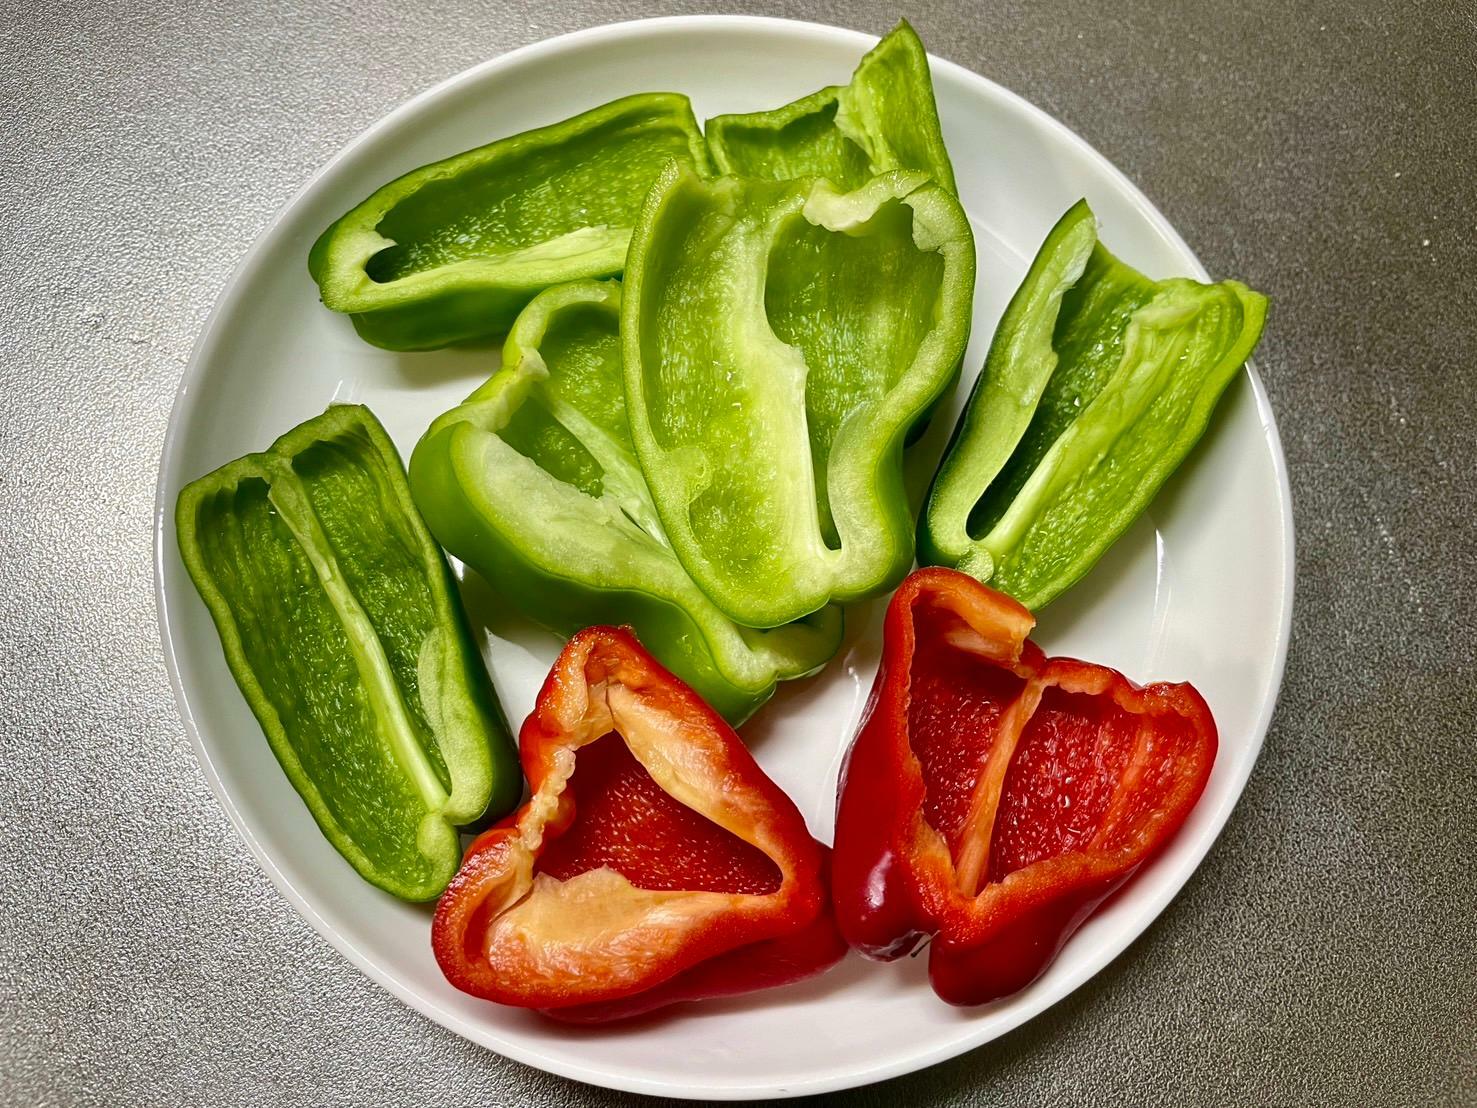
654	861
994	797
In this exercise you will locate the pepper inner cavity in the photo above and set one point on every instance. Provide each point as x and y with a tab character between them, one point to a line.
576	415
382	567
626	821
246	543
857	308
1066	769
527	196
1014	773
956	713
1088	340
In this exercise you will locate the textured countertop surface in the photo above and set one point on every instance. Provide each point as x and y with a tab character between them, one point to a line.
1324	952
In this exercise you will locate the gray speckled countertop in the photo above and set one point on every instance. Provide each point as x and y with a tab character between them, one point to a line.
1324	953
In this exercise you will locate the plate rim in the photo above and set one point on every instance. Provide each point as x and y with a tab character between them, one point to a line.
183	405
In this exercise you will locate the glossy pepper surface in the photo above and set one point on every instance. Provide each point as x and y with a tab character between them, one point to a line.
533	481
1098	383
341	624
654	861
995	797
453	250
780	340
884	119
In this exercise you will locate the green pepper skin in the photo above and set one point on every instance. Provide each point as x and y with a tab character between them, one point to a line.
779	339
884	119
454	250
533	482
1098	383
341	623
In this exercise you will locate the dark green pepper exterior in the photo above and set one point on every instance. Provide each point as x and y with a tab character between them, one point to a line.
341	623
884	119
453	250
534	483
1098	383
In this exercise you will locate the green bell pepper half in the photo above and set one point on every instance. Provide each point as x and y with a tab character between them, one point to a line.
780	338
341	624
453	250
1098	383
884	119
533	482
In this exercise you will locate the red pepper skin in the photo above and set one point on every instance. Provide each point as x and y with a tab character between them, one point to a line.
975	848
667	868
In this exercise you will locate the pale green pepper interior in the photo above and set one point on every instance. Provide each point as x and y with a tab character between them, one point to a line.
1088	340
769	338
857	308
556	478
583	358
884	118
524	195
807	145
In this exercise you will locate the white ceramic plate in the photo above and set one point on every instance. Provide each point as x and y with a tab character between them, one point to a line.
1200	589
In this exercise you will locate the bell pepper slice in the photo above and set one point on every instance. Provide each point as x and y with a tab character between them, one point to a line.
994	797
453	250
1098	383
533	481
884	119
780	340
343	628
653	862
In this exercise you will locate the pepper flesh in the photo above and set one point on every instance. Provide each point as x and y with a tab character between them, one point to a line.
342	626
453	250
654	861
1098	383
994	797
533	482
780	339
884	119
